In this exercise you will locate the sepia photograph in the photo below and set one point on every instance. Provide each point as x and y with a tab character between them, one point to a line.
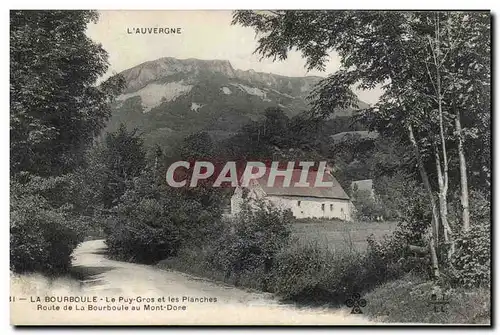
250	167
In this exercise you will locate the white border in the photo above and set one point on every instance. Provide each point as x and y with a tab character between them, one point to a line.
188	4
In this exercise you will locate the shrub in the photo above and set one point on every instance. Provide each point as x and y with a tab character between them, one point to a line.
314	274
307	274
152	222
392	255
42	237
134	238
252	239
480	207
472	257
300	271
470	263
391	258
367	206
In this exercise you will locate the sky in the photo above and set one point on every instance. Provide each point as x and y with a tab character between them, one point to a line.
204	35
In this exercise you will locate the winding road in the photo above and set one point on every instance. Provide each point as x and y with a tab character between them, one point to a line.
205	302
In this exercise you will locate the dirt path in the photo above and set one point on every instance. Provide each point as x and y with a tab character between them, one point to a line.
124	281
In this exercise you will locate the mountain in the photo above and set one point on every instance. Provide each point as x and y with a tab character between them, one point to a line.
169	98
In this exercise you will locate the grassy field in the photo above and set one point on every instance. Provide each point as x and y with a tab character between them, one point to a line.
336	234
408	300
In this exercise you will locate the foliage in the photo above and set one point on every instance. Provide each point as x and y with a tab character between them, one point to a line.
123	159
390	190
252	239
197	146
392	253
480	207
43	233
153	221
407	300
415	213
434	69
367	205
56	108
472	260
312	274
56	111
276	135
392	256
302	272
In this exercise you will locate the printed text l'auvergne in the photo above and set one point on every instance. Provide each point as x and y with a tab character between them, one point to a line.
154	30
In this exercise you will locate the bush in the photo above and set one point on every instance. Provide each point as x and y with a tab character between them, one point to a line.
132	238
42	237
252	239
368	208
313	274
470	263
303	274
392	255
392	258
406	300
472	257
152	222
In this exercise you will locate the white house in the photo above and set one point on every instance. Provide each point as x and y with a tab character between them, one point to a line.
304	202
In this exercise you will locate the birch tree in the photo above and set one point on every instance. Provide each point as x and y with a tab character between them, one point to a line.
412	55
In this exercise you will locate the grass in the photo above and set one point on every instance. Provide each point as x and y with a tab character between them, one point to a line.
407	300
400	301
333	237
340	235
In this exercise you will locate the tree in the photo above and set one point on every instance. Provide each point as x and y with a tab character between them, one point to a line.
123	157
412	54
253	239
56	106
153	221
467	71
56	110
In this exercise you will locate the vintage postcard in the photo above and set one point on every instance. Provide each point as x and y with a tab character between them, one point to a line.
278	167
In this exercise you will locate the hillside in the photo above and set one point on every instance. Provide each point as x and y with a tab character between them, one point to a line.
169	98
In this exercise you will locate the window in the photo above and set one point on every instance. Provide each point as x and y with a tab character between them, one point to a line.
323	207
331	207
298	203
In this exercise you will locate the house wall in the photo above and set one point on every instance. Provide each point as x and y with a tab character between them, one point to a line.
309	207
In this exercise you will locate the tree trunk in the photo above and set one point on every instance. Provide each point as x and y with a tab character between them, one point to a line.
442	169
464	197
443	207
433	254
433	231
441	196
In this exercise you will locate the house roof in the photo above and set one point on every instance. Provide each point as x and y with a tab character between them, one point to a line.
335	192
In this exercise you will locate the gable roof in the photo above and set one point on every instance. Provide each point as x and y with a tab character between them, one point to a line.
335	192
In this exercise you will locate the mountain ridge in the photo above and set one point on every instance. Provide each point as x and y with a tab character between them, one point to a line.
171	65
168	98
